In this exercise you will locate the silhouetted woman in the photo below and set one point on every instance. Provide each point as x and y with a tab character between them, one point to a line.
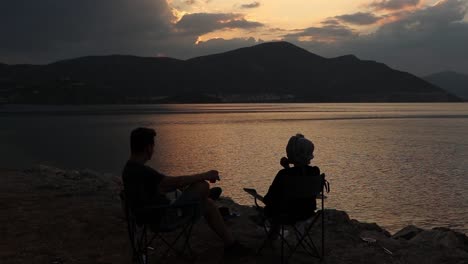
300	153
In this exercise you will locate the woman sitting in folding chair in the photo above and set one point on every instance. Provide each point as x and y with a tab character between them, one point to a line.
291	197
283	202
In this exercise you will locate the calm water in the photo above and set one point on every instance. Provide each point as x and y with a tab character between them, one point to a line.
394	164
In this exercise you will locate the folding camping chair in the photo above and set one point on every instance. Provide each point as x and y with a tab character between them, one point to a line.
143	233
310	187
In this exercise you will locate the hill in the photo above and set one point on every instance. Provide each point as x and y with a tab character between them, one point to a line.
269	72
452	82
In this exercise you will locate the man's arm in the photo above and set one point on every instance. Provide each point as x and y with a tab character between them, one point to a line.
169	183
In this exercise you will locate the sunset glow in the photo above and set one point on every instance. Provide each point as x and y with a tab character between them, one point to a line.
395	32
279	16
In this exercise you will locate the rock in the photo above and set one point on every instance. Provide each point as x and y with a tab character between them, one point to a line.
370	227
48	170
87	173
407	233
441	237
382	240
73	175
343	236
337	216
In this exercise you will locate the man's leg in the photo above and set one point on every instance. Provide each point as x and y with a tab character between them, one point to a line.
200	191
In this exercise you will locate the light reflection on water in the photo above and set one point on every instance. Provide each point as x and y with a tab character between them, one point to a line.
394	164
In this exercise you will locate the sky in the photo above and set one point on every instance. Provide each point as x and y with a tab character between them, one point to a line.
418	36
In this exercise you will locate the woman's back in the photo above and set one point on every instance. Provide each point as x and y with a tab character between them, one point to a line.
293	193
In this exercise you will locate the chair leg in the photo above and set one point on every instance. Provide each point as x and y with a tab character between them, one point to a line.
301	239
282	244
139	245
323	232
171	246
304	240
187	240
140	253
259	251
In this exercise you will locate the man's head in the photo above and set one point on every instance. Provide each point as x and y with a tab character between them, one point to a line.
300	150
142	142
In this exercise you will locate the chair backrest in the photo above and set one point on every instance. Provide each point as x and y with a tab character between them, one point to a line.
126	208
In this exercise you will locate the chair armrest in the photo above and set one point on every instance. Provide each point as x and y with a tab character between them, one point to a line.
254	194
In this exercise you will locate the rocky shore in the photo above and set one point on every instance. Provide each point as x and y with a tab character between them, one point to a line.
50	215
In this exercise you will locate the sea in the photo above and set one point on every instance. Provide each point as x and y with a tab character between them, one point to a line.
395	164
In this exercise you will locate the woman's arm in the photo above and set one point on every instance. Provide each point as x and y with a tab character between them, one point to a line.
274	192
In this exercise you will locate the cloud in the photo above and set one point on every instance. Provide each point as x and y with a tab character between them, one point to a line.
218	45
393	4
433	20
422	41
36	30
251	5
326	33
202	23
359	18
49	30
330	21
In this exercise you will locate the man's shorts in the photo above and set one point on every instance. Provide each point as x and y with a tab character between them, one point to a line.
187	207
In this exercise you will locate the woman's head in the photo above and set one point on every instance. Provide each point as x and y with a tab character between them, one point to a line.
300	150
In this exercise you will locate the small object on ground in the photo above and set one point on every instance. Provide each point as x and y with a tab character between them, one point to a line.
215	193
371	240
226	213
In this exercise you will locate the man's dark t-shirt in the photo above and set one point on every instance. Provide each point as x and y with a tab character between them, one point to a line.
141	185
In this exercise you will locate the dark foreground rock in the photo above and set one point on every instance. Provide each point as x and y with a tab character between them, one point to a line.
54	216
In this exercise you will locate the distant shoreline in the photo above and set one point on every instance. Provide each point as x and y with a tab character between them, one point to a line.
243	102
169	109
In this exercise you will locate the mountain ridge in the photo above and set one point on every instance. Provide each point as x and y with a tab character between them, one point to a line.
451	81
273	71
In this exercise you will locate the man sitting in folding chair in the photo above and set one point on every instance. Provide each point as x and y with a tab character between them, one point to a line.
144	190
291	198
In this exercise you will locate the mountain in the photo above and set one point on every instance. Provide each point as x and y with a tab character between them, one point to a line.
269	72
452	82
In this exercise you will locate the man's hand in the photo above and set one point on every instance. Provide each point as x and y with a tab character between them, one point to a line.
211	176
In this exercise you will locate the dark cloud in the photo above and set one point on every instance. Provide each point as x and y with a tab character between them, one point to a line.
330	21
422	42
327	32
251	5
48	30
222	45
201	23
52	29
359	18
393	4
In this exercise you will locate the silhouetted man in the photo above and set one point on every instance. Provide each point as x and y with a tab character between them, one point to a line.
146	186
